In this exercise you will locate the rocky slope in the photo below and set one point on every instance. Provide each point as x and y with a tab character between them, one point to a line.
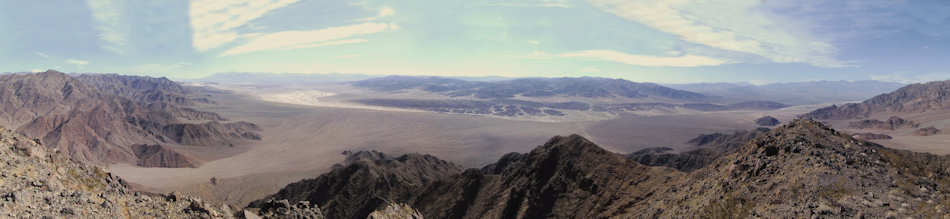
37	183
915	98
711	147
805	169
365	182
802	169
98	118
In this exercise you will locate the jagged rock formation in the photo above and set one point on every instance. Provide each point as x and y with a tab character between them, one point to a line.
802	169
915	98
712	146
279	209
396	211
38	183
871	136
97	118
365	182
927	131
767	121
892	123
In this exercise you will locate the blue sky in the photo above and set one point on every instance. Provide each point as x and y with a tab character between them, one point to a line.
675	41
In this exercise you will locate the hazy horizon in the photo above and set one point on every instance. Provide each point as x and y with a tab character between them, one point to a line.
652	41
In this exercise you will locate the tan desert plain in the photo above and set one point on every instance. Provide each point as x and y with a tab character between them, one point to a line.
306	130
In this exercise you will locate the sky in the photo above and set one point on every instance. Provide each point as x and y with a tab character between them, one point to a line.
664	41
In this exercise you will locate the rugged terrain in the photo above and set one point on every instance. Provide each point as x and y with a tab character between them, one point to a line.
802	169
100	117
39	182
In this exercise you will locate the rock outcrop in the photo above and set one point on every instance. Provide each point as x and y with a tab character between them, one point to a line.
712	146
805	169
928	131
767	121
365	182
892	123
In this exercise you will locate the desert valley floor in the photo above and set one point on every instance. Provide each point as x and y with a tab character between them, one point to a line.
305	139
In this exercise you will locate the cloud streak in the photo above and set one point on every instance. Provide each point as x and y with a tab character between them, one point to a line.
108	16
641	60
287	40
732	25
77	62
213	22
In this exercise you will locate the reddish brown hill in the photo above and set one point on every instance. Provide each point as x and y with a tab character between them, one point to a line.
97	118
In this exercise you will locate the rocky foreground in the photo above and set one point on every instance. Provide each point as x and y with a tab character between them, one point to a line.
36	182
802	169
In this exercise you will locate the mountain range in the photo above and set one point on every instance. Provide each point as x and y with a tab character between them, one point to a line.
99	118
794	93
914	98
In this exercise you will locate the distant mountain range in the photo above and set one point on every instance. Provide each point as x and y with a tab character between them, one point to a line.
526	96
530	87
802	169
796	93
914	98
100	118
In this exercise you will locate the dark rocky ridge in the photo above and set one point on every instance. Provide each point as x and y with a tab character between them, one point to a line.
802	169
767	121
366	181
712	146
97	118
871	136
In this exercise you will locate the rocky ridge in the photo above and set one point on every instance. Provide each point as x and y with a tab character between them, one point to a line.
801	169
767	121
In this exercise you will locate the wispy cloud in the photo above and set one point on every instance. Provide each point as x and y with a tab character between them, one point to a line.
213	22
732	25
382	13
107	14
40	54
287	40
77	62
641	60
